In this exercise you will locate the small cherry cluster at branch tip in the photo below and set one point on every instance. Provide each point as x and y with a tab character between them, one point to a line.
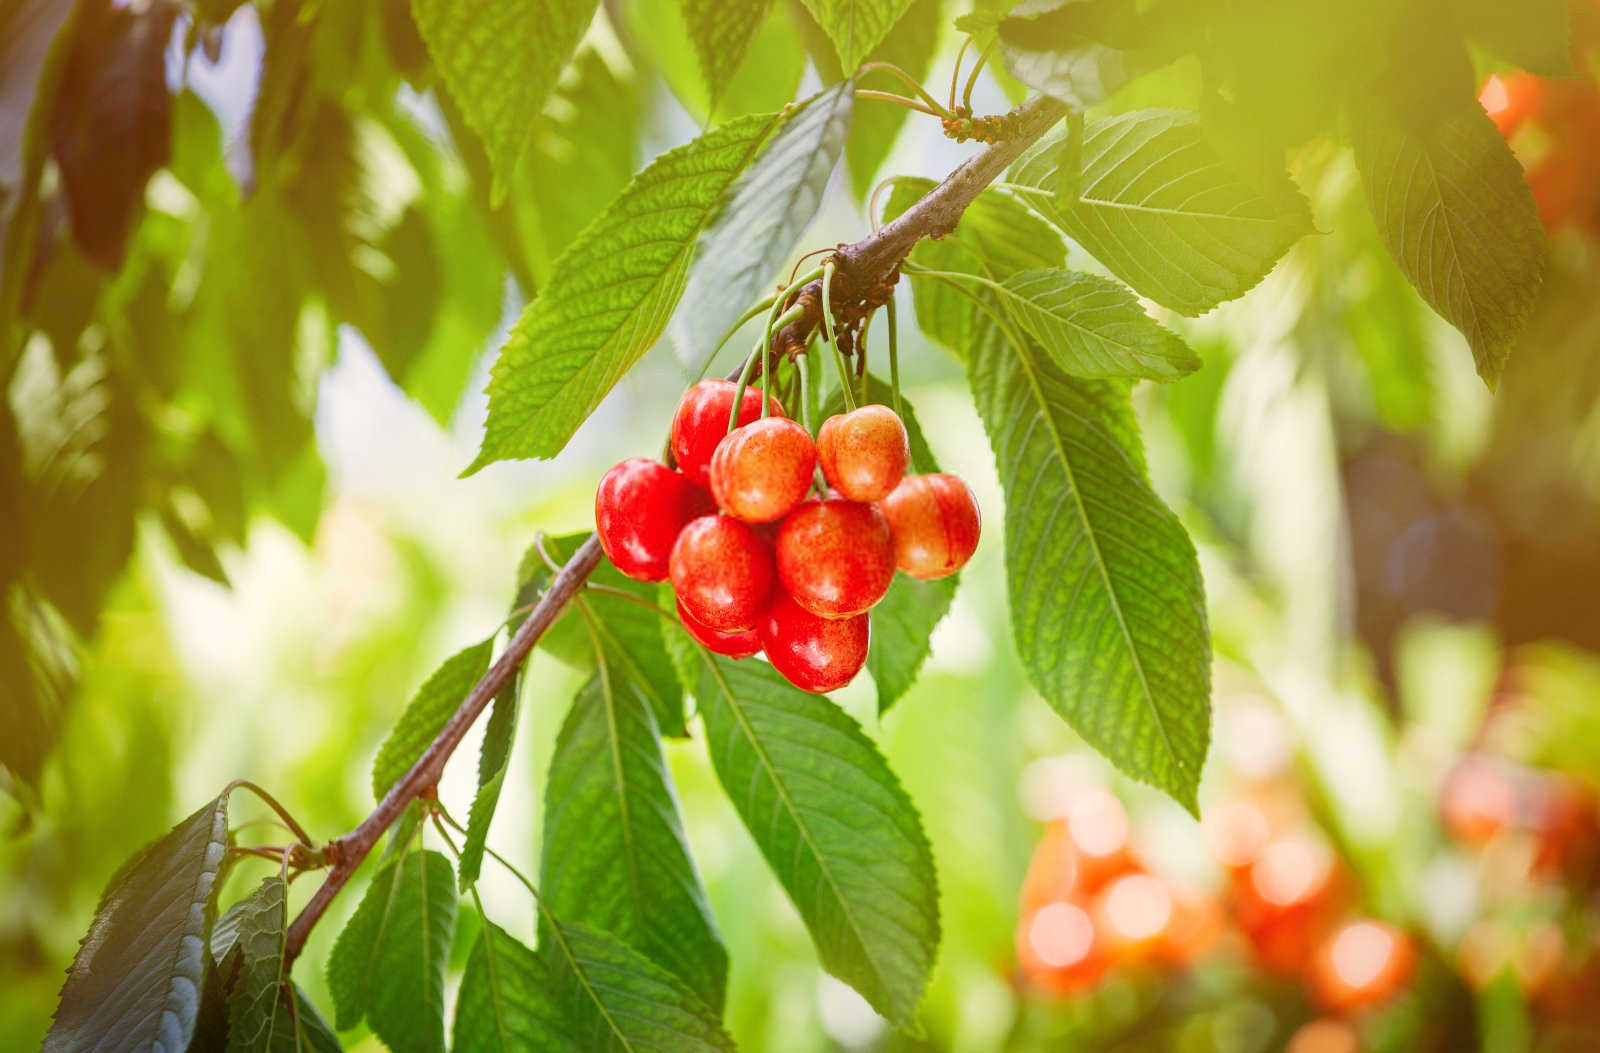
760	563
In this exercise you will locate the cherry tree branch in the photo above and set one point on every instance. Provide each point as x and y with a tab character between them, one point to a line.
861	266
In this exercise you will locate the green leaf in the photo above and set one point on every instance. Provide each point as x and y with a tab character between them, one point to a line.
493	760
617	999
768	207
388	963
615	856
259	1019
427	712
500	61
721	31
856	26
610	295
1534	34
1093	327
1164	212
1070	48
1107	604
909	45
1454	211
834	825
507	1003
904	620
138	975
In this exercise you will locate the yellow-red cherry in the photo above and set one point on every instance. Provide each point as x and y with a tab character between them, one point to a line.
734	645
762	470
639	508
701	421
722	573
935	522
864	453
813	653
835	556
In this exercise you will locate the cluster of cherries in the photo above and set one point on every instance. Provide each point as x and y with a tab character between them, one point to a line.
758	562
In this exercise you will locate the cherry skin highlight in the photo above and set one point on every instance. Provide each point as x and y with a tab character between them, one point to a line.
864	453
702	420
639	508
733	645
835	557
722	573
762	470
814	654
935	523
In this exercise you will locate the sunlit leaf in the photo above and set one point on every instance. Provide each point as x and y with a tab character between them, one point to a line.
1164	212
1074	50
856	26
507	1004
1093	327
138	975
875	126
494	758
610	296
1452	207
721	31
427	712
834	825
1107	604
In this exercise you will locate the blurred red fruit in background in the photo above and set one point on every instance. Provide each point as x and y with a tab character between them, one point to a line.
1058	948
1362	964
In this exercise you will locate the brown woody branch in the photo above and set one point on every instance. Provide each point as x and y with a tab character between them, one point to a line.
862	267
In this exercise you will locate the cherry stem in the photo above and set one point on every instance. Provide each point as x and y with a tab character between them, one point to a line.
972	77
828	332
624	594
955	74
894	354
861	357
775	322
899	100
933	106
271	802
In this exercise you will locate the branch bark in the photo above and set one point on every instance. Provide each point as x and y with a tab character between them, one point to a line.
861	266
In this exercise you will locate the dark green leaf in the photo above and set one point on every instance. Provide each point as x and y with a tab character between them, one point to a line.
1093	327
909	45
1453	209
1074	50
612	292
834	825
427	712
388	963
260	1020
721	31
1164	212
617	999
507	1001
615	857
493	760
500	61
856	26
1107	604
139	973
768	207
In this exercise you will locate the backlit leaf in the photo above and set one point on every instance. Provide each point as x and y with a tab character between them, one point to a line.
856	26
427	712
875	126
507	1004
721	31
1093	327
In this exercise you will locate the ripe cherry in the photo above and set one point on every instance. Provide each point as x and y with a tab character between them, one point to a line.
722	573
835	557
762	470
864	453
638	510
734	645
814	654
935	522
702	420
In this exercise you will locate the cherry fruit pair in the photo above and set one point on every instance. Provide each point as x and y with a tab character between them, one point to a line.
757	564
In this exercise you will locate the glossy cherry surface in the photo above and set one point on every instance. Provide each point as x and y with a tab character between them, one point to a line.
864	453
935	523
734	645
762	470
701	421
835	556
639	508
814	654
722	573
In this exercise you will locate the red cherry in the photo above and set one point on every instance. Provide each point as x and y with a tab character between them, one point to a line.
734	645
864	453
814	654
702	420
835	557
638	510
762	470
935	522
722	573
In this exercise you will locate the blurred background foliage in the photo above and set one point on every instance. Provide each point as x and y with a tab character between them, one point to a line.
251	274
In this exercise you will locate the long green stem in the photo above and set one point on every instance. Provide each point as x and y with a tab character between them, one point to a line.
907	79
899	100
894	355
832	337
